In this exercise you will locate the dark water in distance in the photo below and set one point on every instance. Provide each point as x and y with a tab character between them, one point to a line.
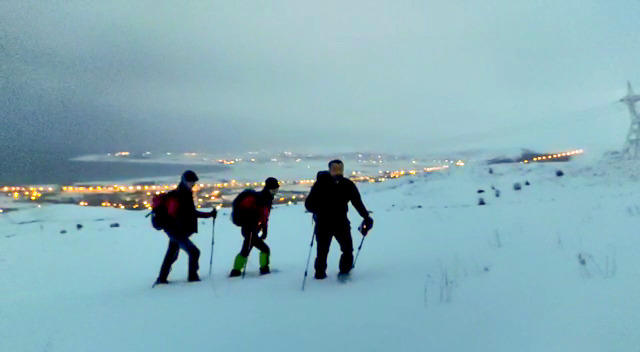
26	168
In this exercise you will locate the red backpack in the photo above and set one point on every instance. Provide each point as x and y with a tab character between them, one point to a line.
160	211
244	209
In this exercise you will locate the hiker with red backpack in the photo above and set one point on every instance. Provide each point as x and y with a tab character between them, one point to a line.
251	212
176	214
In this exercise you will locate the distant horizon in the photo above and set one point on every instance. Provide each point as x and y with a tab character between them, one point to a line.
53	168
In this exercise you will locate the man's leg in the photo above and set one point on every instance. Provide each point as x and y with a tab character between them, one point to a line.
323	241
241	259
169	258
346	246
194	257
250	237
265	253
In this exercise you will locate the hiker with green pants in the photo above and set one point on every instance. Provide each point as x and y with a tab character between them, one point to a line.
251	212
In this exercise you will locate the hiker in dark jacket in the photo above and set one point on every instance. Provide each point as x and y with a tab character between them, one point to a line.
328	201
255	207
182	222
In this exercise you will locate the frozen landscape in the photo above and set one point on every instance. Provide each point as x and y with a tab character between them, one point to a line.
553	266
497	144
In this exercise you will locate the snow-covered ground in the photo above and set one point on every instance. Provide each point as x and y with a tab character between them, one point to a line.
552	267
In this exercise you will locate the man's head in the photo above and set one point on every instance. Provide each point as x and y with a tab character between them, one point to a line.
189	179
336	168
271	184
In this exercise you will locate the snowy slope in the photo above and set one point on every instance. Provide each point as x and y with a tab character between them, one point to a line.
552	267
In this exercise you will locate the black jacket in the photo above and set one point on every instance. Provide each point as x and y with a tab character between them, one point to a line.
329	199
185	220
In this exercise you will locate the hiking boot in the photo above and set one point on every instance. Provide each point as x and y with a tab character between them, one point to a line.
320	276
265	270
193	278
238	265
343	277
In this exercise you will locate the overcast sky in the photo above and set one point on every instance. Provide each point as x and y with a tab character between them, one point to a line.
216	76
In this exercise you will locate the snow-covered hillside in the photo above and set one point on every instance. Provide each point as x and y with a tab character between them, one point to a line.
554	266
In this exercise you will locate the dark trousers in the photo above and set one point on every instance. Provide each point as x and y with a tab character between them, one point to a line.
251	239
323	239
175	243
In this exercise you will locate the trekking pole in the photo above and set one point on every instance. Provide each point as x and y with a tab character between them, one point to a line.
306	270
244	269
360	228
213	232
358	253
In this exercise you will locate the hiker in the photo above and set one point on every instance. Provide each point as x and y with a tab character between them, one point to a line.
181	222
251	212
328	201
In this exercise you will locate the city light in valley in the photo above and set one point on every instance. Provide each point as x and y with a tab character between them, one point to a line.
138	196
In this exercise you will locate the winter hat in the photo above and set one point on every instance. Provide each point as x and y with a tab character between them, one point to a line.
271	183
189	176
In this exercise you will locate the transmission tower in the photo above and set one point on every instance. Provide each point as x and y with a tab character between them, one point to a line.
631	149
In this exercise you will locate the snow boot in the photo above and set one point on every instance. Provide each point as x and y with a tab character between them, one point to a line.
264	263
343	277
161	282
320	276
238	265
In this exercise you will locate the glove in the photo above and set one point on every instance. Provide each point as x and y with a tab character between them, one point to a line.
214	213
366	226
264	234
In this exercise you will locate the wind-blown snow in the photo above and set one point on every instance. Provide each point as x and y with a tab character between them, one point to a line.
552	267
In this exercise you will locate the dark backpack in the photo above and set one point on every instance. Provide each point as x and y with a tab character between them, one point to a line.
243	211
159	212
317	199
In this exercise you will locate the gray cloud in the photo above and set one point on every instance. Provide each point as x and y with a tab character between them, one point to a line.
220	76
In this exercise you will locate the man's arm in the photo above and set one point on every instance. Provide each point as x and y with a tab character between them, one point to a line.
356	201
265	224
202	214
264	232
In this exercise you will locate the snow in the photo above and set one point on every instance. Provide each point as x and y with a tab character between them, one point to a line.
437	272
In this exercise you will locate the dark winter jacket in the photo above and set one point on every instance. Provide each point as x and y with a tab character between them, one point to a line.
183	216
265	203
329	199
